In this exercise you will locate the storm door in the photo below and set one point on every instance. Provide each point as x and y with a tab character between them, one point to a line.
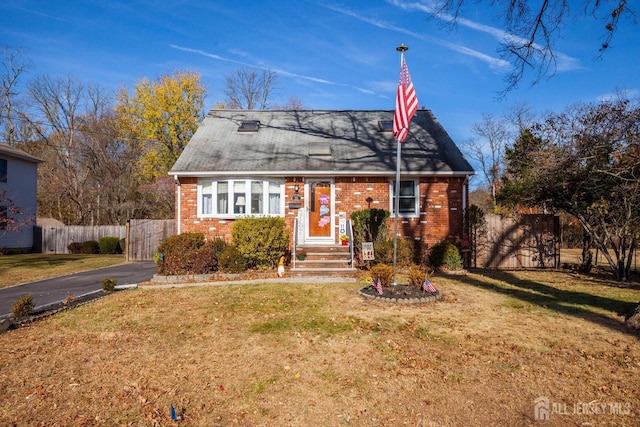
320	208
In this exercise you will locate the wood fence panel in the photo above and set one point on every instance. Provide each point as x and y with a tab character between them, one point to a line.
145	235
54	240
523	241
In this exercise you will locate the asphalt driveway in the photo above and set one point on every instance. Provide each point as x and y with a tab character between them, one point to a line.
56	289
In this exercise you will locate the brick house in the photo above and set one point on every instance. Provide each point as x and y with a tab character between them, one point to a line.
314	168
18	189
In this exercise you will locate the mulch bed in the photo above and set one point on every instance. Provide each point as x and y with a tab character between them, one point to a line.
401	293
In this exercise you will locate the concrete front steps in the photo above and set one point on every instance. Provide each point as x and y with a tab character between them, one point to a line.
326	260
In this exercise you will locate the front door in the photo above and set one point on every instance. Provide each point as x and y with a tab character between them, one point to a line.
320	207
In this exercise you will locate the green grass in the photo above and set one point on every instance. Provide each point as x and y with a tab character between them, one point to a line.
319	354
16	269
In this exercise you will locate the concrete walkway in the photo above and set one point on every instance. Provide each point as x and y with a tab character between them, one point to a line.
310	279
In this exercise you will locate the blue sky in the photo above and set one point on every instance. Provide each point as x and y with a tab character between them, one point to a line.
330	54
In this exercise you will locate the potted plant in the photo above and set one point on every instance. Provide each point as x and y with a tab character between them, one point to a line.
301	255
344	239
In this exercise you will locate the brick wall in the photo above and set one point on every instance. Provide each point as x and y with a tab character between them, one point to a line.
440	218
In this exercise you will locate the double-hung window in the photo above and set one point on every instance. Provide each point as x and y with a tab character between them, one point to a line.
3	170
239	197
409	200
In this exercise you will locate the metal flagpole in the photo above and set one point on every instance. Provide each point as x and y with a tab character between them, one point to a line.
402	49
396	207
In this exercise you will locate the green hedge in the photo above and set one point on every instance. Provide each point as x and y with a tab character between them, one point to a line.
261	241
109	245
445	254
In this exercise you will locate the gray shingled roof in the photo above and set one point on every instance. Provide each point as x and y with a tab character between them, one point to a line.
7	150
297	143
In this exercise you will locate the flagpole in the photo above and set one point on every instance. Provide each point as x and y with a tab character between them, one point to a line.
402	49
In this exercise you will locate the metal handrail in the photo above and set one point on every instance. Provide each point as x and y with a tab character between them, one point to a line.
351	242
295	243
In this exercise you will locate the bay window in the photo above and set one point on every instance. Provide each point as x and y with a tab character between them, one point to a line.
238	197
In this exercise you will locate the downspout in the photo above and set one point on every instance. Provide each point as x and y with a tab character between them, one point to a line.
464	194
179	204
465	208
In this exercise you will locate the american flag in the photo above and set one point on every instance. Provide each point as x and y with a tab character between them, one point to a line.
378	286
406	104
427	286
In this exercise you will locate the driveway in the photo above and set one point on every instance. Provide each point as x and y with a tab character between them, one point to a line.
56	289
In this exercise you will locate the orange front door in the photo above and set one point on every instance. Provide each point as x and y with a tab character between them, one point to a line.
320	209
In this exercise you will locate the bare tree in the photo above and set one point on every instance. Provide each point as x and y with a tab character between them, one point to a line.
249	89
487	149
111	167
533	28
61	109
293	103
12	68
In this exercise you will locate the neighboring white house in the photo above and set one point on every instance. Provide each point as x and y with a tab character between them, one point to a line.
18	188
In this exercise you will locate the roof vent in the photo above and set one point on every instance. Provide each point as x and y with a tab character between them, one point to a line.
385	125
249	126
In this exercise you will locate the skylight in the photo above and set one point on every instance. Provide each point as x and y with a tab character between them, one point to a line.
320	149
385	125
249	126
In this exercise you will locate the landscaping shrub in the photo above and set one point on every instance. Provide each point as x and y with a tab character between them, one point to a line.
204	260
219	246
186	253
181	244
383	250
417	274
261	241
418	251
108	284
445	254
231	260
14	251
369	224
74	248
109	245
90	247
23	306
384	272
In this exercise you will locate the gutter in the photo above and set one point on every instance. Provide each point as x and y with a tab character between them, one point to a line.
317	173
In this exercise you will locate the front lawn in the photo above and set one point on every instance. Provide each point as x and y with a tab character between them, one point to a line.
321	355
16	269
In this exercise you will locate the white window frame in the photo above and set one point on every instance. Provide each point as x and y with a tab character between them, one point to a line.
231	198
416	198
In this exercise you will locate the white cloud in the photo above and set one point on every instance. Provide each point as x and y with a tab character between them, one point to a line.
493	62
267	67
564	62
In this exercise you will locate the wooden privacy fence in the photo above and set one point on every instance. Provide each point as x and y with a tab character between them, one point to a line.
54	240
521	241
142	237
145	235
